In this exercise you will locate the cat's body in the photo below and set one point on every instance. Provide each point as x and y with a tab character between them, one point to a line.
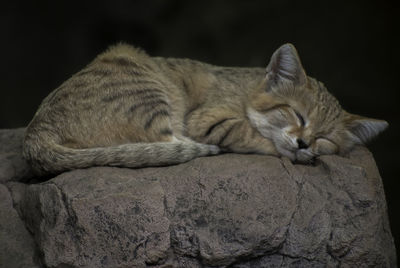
128	109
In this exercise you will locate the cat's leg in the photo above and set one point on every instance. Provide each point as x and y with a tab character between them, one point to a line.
251	142
169	145
180	137
228	130
240	137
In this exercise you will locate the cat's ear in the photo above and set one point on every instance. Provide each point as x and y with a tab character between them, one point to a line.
285	66
363	129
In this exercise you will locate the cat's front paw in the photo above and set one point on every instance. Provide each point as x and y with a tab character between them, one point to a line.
304	156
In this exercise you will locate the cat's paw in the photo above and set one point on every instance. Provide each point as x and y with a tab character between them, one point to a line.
305	156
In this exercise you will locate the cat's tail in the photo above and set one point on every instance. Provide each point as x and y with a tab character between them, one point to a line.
48	157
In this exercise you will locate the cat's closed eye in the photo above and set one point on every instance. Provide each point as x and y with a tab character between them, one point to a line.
301	119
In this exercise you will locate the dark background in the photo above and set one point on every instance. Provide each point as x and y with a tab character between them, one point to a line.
351	46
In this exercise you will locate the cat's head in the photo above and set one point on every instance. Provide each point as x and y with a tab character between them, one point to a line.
300	116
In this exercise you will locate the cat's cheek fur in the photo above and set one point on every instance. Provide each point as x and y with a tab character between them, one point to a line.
283	142
285	145
261	123
256	119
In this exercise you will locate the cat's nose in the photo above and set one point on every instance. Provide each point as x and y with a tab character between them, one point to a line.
302	144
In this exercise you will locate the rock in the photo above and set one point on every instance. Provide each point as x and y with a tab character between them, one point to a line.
225	211
17	247
12	166
228	210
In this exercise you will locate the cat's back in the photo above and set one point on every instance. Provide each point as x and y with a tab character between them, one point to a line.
104	100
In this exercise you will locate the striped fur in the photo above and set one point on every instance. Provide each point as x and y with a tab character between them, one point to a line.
131	110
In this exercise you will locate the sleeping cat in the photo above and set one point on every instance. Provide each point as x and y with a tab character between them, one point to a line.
128	109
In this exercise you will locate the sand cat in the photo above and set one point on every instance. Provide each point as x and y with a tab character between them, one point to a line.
128	109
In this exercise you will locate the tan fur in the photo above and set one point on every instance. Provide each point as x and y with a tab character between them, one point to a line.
128	109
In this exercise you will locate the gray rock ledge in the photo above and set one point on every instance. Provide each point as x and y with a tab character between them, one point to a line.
224	211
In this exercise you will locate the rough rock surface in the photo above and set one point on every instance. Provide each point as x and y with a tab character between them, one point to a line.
224	211
12	166
17	248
